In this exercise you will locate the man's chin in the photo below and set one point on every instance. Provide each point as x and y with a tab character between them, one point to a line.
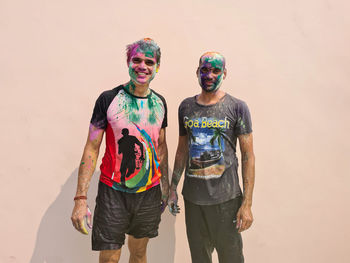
142	82
210	88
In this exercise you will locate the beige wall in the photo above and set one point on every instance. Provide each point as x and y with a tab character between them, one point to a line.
289	60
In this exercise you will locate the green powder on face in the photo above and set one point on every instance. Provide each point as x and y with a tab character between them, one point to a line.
147	51
149	54
82	163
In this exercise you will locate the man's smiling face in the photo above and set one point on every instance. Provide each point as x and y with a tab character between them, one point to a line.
142	67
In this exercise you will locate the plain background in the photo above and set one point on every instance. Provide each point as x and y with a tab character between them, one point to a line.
288	59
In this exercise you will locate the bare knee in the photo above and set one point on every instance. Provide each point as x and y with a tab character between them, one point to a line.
109	256
138	249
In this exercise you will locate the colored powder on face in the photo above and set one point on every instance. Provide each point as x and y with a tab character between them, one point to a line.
210	62
149	54
215	59
82	163
147	51
154	71
133	75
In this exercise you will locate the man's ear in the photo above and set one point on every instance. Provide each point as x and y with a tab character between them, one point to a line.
225	73
157	68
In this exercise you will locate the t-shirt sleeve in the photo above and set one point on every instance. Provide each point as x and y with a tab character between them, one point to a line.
165	119
99	115
182	129
244	123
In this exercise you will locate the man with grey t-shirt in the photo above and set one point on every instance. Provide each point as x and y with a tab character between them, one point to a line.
216	210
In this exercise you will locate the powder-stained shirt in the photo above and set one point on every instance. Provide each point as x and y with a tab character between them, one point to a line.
132	125
211	172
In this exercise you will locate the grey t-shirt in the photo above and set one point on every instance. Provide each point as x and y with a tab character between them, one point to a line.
211	171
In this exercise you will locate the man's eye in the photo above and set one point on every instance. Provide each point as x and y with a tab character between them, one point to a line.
216	71
149	62
204	70
136	60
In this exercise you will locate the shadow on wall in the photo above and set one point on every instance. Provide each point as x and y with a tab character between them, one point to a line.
57	241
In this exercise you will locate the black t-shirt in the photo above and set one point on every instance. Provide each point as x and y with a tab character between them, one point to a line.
211	171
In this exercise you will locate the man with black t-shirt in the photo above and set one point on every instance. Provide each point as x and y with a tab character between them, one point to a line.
216	211
130	199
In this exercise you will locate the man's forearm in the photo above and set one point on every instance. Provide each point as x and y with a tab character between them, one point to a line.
179	166
86	170
163	166
248	174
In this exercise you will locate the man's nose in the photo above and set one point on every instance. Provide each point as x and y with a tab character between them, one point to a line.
142	65
210	75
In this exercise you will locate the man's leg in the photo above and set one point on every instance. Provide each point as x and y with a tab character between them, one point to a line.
109	256
221	220
111	221
131	167
144	223
138	249
198	235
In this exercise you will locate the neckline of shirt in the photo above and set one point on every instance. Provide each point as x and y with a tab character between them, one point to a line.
138	97
209	105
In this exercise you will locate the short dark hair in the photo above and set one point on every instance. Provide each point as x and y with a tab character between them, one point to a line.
145	44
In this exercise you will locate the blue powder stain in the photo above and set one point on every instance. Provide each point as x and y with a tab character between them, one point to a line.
141	104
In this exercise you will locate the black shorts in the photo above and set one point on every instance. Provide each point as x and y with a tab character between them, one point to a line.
214	226
118	213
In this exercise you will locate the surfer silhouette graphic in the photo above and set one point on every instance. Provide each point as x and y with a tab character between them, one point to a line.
126	146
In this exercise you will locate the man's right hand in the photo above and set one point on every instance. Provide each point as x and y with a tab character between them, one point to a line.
172	202
80	211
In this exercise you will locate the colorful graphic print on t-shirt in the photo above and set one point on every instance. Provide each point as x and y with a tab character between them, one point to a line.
132	125
207	146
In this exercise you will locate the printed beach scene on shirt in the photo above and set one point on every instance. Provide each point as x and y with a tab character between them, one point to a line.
207	145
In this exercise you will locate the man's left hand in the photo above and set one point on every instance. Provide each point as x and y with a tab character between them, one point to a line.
244	218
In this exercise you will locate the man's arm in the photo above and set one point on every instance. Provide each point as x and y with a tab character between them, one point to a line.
86	170
179	166
244	215
163	157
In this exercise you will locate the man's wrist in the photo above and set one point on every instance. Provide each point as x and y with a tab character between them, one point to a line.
247	203
80	197
173	187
